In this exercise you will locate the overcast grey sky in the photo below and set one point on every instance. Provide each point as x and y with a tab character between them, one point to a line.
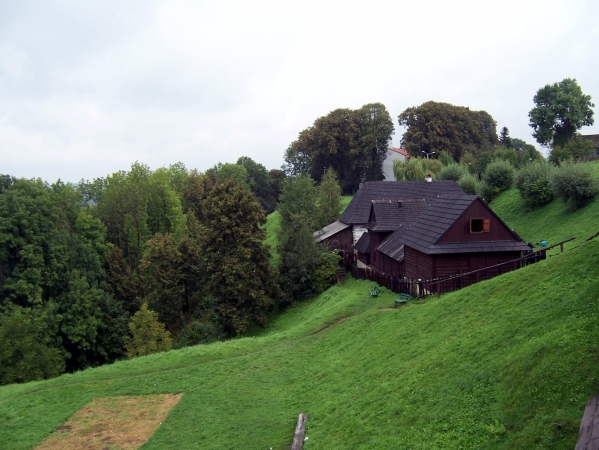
87	88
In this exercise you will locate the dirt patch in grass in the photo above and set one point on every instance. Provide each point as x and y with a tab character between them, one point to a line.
112	423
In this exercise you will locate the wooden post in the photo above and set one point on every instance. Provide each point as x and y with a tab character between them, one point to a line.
300	431
561	247
588	435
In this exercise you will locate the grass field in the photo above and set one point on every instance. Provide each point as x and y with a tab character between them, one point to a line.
508	363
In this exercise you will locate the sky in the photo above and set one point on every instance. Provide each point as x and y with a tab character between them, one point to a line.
88	88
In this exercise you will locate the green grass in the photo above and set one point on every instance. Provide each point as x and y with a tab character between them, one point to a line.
508	363
553	222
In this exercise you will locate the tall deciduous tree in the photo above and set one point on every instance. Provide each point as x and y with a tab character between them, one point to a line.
260	183
560	110
434	127
238	271
352	142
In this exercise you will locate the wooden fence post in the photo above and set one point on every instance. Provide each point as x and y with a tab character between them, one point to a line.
300	431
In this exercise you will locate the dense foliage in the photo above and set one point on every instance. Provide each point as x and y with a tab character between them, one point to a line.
352	142
534	183
575	183
560	110
435	126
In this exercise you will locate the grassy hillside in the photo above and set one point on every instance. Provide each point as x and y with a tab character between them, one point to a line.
507	363
553	222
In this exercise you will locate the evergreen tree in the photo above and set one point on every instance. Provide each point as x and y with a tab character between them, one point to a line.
148	335
238	271
328	199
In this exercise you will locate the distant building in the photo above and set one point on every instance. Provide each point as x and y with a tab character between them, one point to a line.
393	153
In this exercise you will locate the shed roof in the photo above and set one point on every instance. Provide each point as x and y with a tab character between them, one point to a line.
358	210
329	231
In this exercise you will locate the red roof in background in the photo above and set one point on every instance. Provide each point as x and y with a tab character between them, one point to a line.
401	151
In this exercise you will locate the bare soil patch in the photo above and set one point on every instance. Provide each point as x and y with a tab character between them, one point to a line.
112	423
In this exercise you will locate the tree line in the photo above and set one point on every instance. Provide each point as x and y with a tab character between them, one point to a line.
143	260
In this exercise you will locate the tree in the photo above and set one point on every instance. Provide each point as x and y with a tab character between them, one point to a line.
260	183
576	149
353	142
299	254
504	138
560	110
148	335
435	127
328	199
238	272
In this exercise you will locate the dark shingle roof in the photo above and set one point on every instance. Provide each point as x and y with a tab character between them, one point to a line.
363	244
358	210
423	234
390	214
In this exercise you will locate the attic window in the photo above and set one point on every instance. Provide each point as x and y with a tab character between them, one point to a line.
480	225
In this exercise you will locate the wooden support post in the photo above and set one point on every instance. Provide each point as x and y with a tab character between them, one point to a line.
588	435
561	247
300	431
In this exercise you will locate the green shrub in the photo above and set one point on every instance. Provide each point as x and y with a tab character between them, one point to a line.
148	334
446	158
325	274
200	333
534	183
453	172
484	191
499	175
468	183
575	182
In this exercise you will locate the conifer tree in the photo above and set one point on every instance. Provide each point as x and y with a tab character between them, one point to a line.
329	199
148	335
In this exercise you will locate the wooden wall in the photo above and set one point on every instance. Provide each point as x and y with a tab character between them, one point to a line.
460	230
390	266
446	265
344	238
376	238
417	264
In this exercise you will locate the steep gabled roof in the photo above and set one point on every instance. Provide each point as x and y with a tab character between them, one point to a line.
401	151
358	210
423	234
390	214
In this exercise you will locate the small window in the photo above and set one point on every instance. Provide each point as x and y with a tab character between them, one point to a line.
480	225
476	225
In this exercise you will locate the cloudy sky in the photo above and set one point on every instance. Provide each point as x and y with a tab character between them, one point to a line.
87	88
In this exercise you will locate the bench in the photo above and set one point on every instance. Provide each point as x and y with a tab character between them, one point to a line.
375	291
403	299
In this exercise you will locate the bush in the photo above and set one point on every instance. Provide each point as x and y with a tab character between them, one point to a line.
325	274
148	334
534	183
200	333
576	149
484	191
468	183
499	175
575	182
453	172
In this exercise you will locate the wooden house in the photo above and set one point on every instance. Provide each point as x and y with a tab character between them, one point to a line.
357	213
457	233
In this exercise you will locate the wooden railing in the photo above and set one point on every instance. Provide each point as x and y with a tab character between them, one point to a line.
423	288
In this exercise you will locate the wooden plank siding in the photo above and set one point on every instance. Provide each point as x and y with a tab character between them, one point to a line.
418	264
375	257
460	230
390	266
341	241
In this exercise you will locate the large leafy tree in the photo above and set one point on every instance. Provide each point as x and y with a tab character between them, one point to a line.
260	183
560	110
434	127
237	270
352	142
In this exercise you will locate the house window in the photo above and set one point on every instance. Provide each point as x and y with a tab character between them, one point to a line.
480	225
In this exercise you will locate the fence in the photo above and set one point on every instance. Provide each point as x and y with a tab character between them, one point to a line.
423	288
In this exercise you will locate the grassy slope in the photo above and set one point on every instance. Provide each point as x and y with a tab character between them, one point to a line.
507	363
552	222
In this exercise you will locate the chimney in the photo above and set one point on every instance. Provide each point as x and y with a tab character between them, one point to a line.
428	178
